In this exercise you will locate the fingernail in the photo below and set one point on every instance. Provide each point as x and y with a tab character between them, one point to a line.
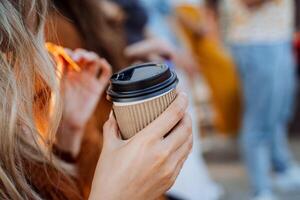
75	57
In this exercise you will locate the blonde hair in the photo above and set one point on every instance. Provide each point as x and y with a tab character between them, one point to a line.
28	88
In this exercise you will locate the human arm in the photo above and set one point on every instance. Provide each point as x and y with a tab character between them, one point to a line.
81	92
145	166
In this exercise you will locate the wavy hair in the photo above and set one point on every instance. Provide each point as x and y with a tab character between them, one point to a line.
30	108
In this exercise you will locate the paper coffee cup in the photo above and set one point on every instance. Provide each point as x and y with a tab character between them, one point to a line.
140	94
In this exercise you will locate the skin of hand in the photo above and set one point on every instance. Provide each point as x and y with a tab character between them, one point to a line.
155	49
152	49
81	92
199	28
147	165
186	61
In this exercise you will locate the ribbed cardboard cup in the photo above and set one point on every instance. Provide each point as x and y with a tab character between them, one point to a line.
140	94
132	118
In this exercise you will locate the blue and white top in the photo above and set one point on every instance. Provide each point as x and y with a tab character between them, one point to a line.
273	21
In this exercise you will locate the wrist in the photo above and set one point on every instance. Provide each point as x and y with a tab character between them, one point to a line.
69	138
104	186
102	195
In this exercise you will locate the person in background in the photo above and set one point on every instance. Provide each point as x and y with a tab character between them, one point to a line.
35	94
259	34
143	45
297	11
194	180
199	31
161	26
135	20
297	35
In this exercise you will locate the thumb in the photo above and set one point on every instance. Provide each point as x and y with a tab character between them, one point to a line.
111	130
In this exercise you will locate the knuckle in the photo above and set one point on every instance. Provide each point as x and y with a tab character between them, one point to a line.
79	50
92	53
188	124
148	144
167	174
105	61
179	110
186	128
109	71
172	180
105	65
190	144
183	99
188	119
169	185
181	105
161	156
189	130
145	139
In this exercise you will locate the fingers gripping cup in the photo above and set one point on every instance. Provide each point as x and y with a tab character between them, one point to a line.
140	94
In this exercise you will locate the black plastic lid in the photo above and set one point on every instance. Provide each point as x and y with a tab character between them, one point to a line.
141	82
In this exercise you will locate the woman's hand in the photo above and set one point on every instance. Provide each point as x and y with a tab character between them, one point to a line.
145	166
158	50
152	49
81	92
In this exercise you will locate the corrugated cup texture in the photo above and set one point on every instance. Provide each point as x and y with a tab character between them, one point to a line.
133	118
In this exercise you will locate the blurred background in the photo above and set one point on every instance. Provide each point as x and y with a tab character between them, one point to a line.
238	62
206	30
219	132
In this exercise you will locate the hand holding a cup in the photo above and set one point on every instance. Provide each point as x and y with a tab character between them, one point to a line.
146	165
81	91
